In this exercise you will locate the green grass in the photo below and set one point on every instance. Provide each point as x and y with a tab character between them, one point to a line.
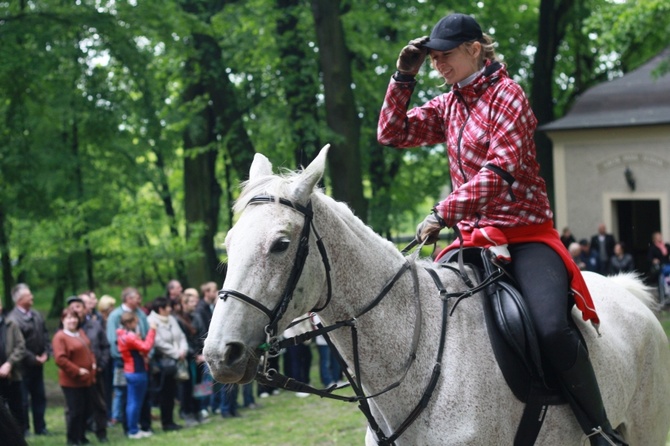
280	420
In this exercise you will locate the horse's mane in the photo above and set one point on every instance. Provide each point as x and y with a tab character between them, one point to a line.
280	185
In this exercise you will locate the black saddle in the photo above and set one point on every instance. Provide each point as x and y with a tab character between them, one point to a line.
515	345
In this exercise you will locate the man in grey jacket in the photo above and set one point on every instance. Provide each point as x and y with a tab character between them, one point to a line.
12	351
38	348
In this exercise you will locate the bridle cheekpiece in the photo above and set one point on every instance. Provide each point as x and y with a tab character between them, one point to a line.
278	311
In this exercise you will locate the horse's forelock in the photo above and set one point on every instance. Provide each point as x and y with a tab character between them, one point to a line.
275	185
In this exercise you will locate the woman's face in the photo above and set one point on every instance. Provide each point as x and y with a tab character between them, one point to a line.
70	322
457	64
164	311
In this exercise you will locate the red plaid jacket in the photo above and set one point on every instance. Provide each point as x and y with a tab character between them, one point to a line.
488	128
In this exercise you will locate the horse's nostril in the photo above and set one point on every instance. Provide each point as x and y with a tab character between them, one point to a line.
233	352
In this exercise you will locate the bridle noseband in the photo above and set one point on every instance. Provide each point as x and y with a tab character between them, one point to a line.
277	313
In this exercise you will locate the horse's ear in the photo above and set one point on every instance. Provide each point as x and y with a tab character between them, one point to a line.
304	184
260	167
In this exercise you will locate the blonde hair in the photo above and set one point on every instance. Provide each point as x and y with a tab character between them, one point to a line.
189	293
488	51
105	303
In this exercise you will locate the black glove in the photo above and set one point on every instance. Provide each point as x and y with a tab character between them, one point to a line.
429	229
412	56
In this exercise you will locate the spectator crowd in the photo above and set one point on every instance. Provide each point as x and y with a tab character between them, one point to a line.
603	254
116	362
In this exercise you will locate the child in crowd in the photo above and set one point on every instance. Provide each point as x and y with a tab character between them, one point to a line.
134	352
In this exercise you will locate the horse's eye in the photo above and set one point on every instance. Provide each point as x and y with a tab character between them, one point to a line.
280	245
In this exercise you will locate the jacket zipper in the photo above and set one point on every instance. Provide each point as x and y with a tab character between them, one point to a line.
459	96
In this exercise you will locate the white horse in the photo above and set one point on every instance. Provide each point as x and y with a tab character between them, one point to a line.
471	404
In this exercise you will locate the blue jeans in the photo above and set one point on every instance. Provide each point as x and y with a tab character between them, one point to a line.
119	401
118	404
297	362
248	394
229	394
329	368
137	389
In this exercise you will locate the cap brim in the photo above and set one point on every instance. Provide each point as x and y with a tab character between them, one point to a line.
441	44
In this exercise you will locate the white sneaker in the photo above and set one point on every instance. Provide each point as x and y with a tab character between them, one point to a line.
264	395
136	436
302	394
146	434
204	413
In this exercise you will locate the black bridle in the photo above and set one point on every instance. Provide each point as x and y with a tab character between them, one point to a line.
276	314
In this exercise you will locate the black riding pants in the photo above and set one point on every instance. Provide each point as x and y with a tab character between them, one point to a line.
543	281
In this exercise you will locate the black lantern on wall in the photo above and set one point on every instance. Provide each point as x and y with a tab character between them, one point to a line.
630	178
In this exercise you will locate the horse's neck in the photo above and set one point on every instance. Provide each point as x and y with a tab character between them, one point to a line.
362	263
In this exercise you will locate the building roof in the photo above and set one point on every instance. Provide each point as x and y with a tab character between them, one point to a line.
635	99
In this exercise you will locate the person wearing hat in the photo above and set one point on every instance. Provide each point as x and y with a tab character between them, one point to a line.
487	124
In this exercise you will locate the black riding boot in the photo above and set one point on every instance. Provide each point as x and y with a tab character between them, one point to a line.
583	394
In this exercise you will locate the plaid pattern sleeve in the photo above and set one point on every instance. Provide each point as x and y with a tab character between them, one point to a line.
420	126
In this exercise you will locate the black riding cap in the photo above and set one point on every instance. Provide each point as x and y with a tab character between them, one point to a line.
453	30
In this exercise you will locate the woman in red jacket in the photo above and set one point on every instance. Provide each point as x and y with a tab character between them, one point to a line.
134	352
488	127
76	374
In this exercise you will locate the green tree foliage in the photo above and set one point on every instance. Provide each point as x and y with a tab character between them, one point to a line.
126	126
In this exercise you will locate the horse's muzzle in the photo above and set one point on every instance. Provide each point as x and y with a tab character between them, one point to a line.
235	363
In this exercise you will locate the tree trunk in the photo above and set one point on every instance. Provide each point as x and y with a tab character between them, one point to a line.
553	19
79	177
384	166
5	260
341	116
300	91
218	124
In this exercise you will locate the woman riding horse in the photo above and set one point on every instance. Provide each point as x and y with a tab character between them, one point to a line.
488	126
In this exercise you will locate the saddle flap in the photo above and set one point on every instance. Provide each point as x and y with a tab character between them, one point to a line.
510	328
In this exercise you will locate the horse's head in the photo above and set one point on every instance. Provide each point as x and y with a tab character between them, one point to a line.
271	277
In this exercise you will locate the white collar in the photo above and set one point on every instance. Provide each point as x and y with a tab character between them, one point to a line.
470	78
